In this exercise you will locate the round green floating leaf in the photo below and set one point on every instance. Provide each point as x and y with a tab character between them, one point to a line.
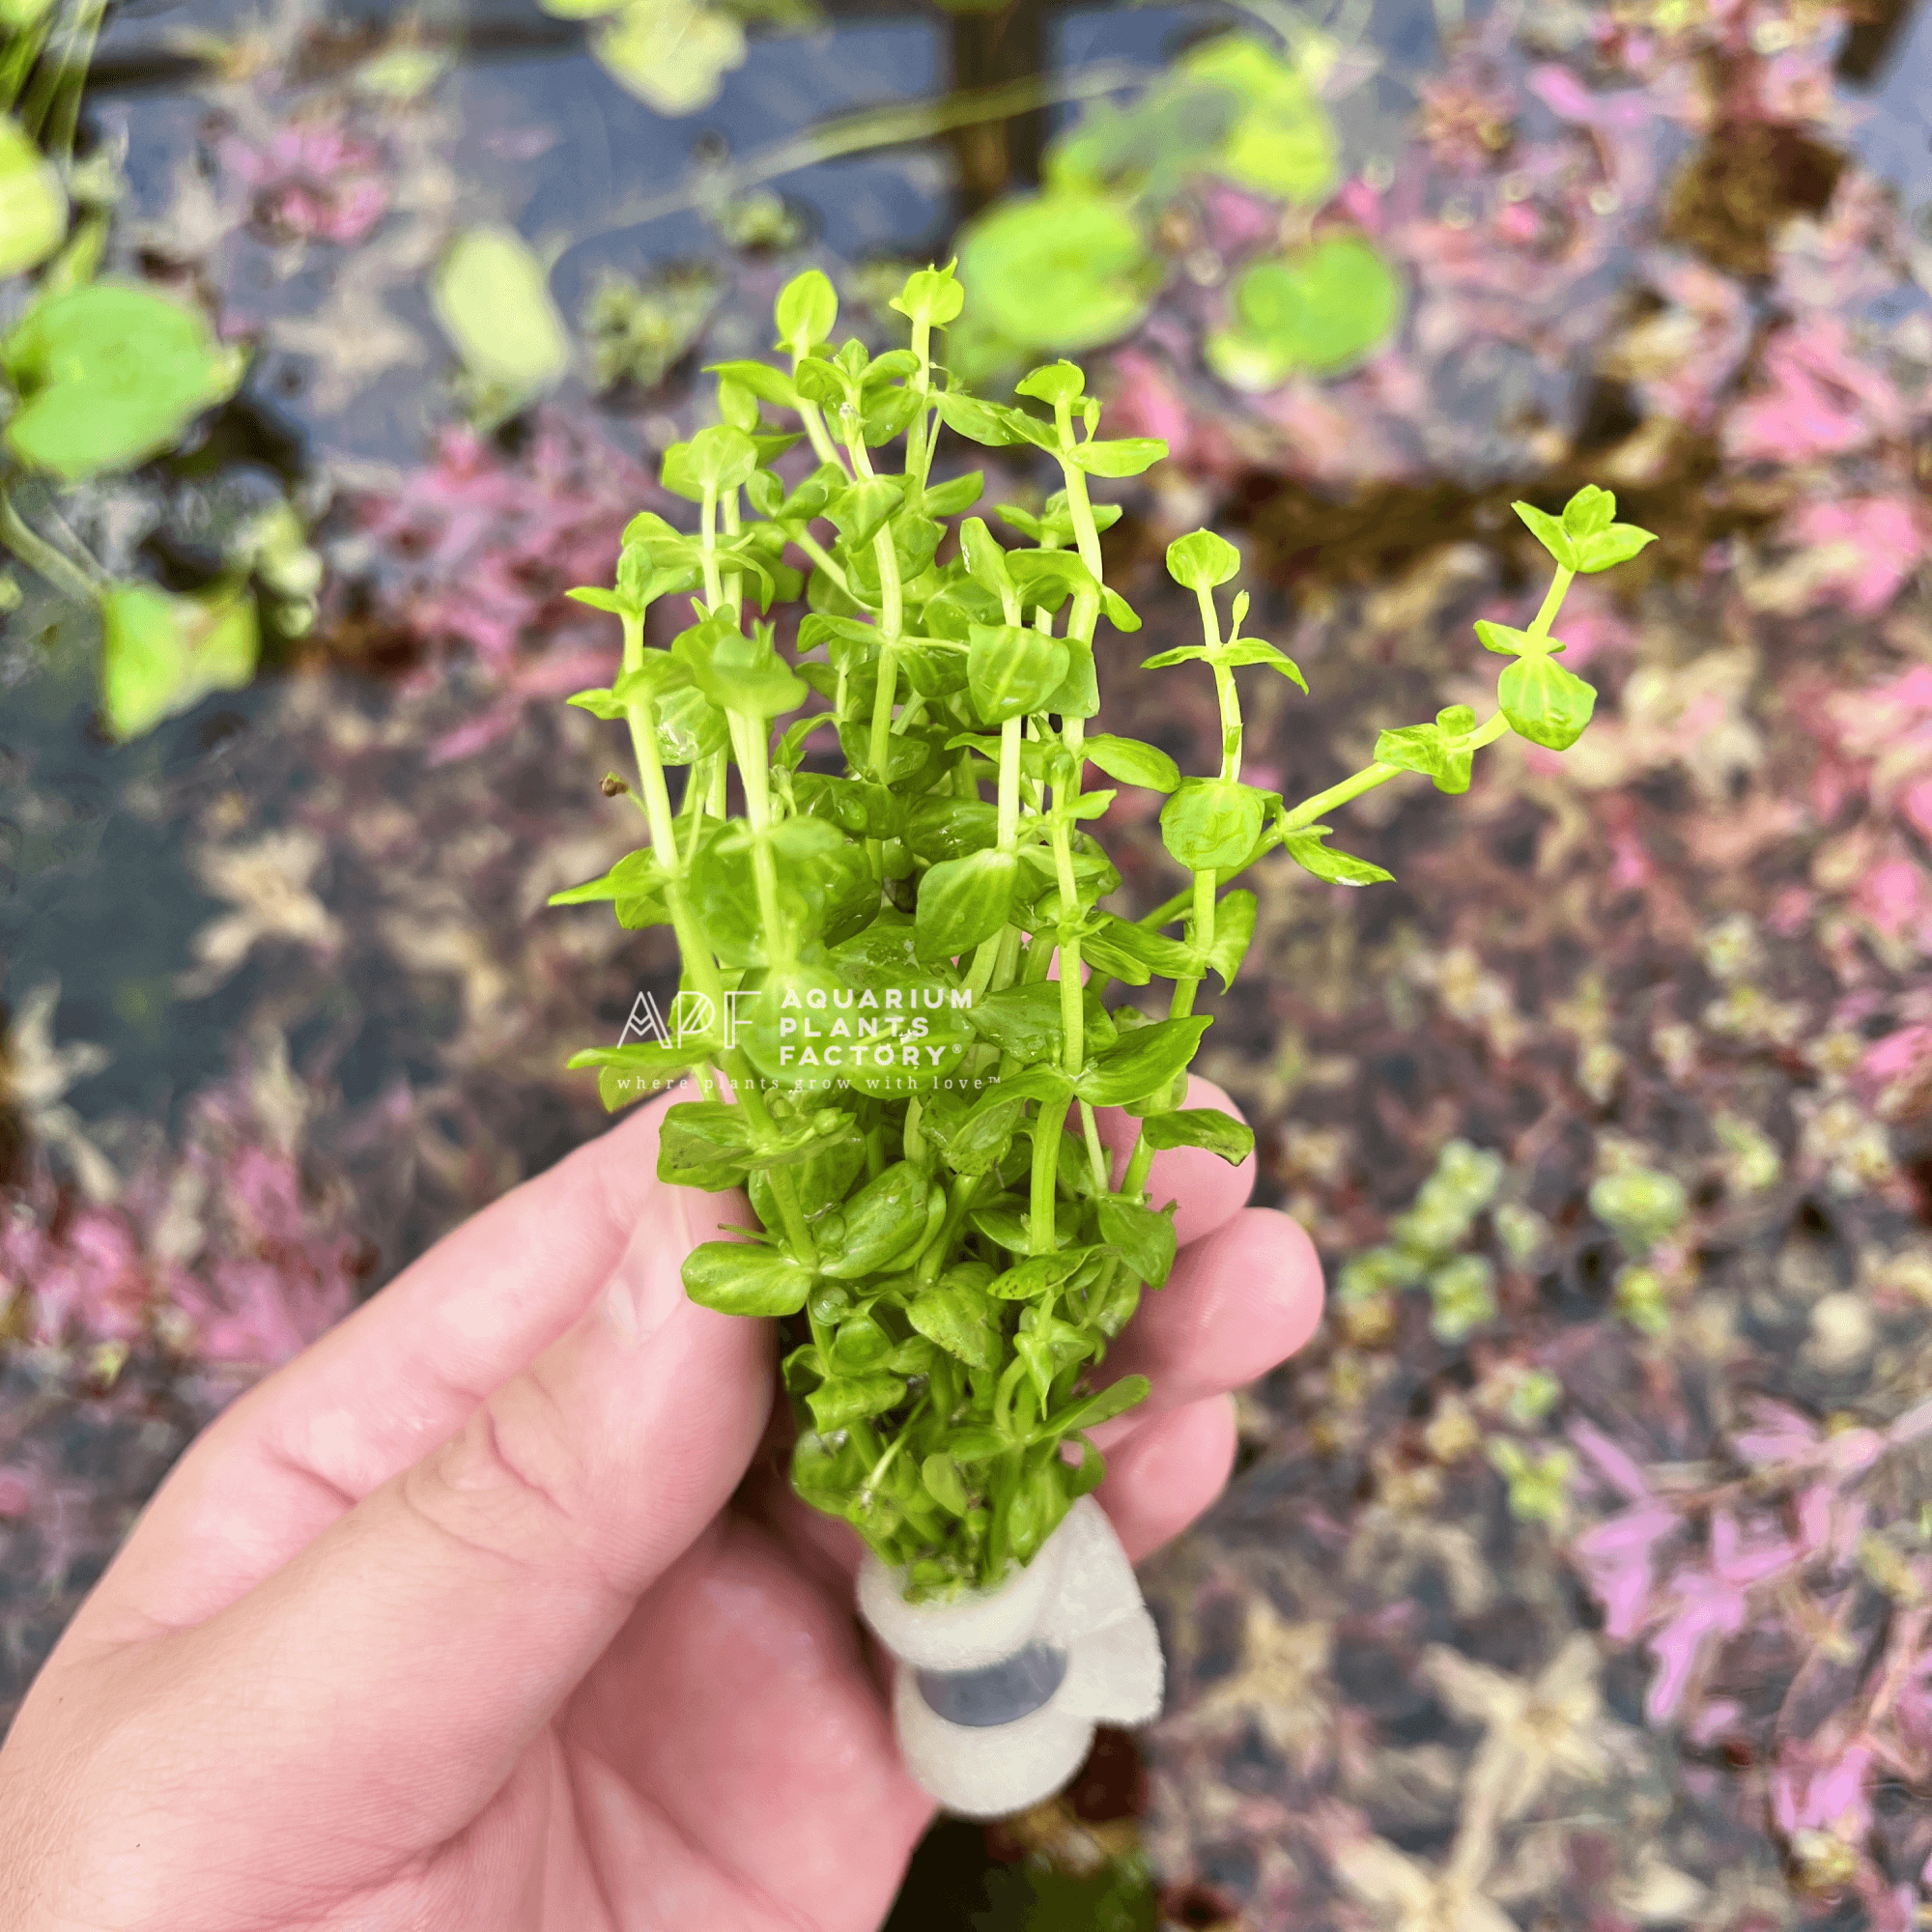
672	55
1058	271
493	299
33	204
163	654
1282	142
1321	308
110	374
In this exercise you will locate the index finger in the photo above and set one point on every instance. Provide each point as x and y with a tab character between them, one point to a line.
399	1375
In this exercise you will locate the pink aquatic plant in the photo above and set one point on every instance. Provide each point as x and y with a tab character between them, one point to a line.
314	181
476	551
1815	397
1861	550
217	1249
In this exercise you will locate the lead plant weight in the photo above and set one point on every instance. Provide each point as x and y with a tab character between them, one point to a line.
878	1055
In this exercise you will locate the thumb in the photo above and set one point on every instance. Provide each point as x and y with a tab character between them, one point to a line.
409	1655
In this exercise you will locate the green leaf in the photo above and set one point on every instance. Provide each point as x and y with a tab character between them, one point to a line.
1131	953
162	654
767	384
1023	1021
978	1445
1116	1398
847	1399
932	295
1143	1236
1123	456
628	1074
1007	1224
1053	383
1544	703
822	382
740	1278
1435	749
701	1141
884	1217
672	54
1012	670
1048	1344
108	374
985	562
1589	511
1506	641
1550	532
598	600
736	672
860	1342
33	204
635	876
940	1474
1253	651
1607	548
1120	613
1140	1062
1207	1127
941	828
721	456
1038	1275
491	296
1322	307
690	726
964	902
1282	141
1202	559
955	495
1039	1507
864	508
1211	823
827	889
960	1316
1233	931
1078	694
1058	271
805	310
981	1140
979	422
1339	868
1132	762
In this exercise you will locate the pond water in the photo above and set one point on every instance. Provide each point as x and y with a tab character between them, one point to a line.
1578	1574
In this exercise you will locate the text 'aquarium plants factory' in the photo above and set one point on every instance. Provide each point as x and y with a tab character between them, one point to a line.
941	1069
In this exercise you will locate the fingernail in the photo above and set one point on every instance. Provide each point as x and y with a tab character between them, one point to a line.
648	1288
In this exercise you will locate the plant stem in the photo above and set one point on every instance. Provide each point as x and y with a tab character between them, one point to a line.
1009	784
1559	588
707	537
43	558
1043	1236
823	560
747	742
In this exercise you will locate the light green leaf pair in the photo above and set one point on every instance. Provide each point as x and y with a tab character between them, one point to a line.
163	654
1586	537
108	374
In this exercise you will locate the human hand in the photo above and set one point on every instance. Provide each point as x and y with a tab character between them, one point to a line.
470	1616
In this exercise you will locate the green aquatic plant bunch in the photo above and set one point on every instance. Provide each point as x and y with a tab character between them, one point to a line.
894	1000
100	373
